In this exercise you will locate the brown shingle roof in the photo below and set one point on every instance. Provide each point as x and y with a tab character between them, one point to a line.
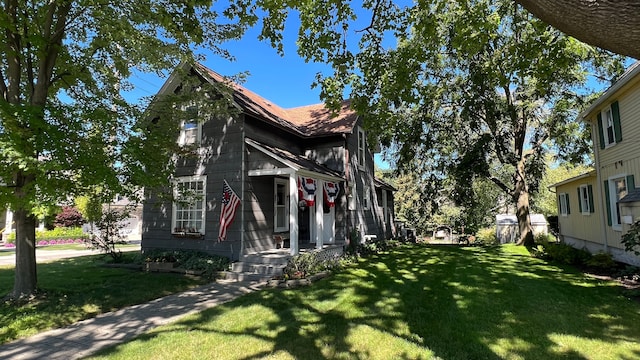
308	121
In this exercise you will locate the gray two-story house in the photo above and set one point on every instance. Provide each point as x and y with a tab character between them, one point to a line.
304	178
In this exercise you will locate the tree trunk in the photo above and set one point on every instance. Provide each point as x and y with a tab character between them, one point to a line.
521	198
25	272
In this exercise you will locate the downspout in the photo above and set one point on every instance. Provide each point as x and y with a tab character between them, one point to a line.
603	199
242	180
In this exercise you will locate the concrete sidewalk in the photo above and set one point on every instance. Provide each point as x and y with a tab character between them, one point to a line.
86	337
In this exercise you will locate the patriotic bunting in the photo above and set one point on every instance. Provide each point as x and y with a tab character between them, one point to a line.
331	191
307	189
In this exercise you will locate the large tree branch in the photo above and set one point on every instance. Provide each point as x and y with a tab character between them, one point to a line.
609	24
500	184
13	53
54	26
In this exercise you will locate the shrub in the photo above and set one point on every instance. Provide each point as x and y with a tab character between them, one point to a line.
190	260
75	233
109	234
307	264
486	236
69	217
565	254
631	239
601	261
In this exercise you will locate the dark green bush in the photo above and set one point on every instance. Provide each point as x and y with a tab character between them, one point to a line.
565	254
190	260
601	261
306	264
631	240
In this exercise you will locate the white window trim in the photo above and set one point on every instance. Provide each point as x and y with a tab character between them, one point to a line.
584	202
613	200
182	139
362	148
605	127
562	206
174	212
285	182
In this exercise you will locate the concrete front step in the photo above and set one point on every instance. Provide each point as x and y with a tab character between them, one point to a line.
259	266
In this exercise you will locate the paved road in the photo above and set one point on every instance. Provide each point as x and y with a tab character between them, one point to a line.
49	254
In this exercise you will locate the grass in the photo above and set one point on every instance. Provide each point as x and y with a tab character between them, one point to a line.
78	288
414	302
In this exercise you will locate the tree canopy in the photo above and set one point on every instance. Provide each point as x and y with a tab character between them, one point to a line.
470	89
65	126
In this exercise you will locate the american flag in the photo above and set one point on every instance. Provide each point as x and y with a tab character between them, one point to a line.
230	202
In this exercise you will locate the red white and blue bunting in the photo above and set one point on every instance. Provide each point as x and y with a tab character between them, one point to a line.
331	191
307	190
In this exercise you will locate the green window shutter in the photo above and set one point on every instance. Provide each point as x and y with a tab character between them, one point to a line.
607	201
615	110
600	131
631	185
579	200
591	202
566	196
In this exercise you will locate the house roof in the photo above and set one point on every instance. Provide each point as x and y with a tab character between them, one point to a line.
307	121
295	161
590	173
629	75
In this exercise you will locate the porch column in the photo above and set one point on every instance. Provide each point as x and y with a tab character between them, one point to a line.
319	213
293	213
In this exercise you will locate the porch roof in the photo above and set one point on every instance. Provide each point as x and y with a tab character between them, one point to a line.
631	197
379	183
294	163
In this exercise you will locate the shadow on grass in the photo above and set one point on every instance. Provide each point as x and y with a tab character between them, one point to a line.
445	302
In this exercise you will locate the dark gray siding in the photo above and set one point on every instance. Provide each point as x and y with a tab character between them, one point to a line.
220	157
366	221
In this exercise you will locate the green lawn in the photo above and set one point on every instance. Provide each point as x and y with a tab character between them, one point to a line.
78	288
415	302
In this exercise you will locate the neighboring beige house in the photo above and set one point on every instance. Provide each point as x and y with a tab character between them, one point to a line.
596	208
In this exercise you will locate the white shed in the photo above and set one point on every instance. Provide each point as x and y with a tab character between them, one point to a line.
507	226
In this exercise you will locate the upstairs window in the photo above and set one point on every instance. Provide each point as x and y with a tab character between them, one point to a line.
190	127
609	129
361	147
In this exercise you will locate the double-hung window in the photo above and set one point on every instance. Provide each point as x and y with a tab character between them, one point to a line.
189	204
609	128
281	205
563	204
361	147
617	189
190	127
585	196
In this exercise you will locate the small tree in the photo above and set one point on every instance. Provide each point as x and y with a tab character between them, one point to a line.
69	217
110	234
